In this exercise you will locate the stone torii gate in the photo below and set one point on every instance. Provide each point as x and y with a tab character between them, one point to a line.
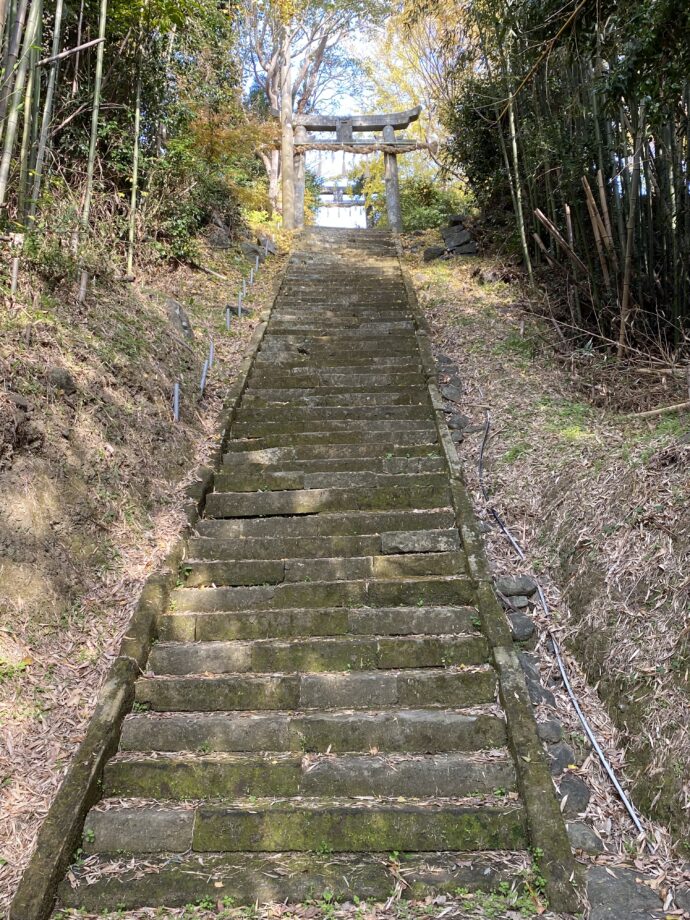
345	127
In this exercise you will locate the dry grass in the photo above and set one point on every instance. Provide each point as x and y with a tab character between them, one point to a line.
90	488
600	504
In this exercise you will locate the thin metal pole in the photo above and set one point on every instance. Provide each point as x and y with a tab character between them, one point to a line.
227	318
204	375
176	402
211	353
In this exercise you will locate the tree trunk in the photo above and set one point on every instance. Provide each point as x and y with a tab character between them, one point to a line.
10	60
135	152
287	146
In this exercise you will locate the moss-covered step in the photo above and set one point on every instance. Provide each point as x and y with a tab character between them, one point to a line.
327	524
250	878
206	549
408	731
242	465
305	824
333	382
316	654
340	568
284	456
329	621
426	491
268	396
245	480
226	776
386	442
424	591
364	689
284	423
252	415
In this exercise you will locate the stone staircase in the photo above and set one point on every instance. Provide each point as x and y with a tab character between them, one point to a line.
320	709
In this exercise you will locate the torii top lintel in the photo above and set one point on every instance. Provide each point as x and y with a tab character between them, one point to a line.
395	120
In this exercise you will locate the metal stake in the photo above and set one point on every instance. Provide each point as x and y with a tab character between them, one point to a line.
227	318
204	375
176	402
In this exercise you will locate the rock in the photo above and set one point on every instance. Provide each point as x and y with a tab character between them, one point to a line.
265	239
682	899
467	249
514	586
521	627
487	275
251	251
454	393
561	756
519	602
61	379
178	318
529	665
445	360
219	234
577	792
458	421
454	237
582	837
457	437
622	894
456	220
550	731
539	694
433	252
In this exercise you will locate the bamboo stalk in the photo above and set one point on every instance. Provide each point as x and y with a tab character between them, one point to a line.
135	153
570	252
663	410
627	267
86	210
47	113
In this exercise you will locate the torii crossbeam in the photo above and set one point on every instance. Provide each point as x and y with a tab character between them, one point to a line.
345	127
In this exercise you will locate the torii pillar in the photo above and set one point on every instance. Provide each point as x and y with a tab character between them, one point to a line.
390	172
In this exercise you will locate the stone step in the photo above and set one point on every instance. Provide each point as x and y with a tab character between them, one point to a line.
241	465
409	731
264	398
343	523
258	479
278	571
432	591
355	429
328	381
454	687
329	621
251	415
181	777
286	455
313	655
298	825
419	493
292	327
251	878
421	541
393	442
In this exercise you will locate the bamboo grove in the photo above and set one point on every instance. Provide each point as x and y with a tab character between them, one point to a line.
110	112
574	119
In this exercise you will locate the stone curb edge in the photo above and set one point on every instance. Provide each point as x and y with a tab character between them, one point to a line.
546	826
61	829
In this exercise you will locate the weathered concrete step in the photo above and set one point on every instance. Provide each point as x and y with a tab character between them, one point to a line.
313	655
181	777
334	621
242	466
454	687
285	456
264	825
329	382
431	492
257	480
420	541
267	397
441	730
434	591
292	327
251	878
291	361
278	571
394	442
343	523
356	429
251	414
